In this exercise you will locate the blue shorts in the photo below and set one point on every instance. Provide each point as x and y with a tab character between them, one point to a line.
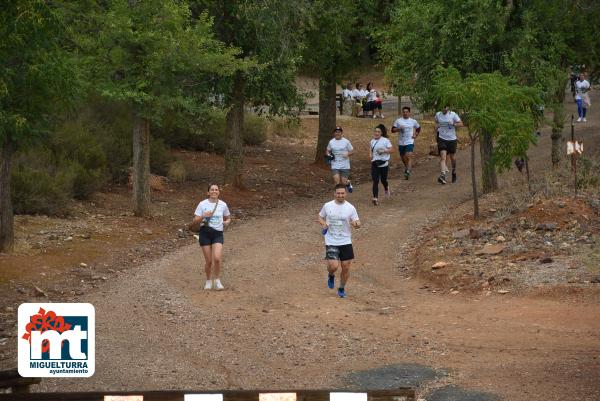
406	149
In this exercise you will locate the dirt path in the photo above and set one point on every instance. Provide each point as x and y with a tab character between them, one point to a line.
278	326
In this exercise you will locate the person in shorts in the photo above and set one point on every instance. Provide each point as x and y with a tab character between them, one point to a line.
339	150
337	218
446	122
408	129
214	214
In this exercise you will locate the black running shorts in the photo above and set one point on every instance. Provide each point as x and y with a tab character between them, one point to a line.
209	236
448	146
339	252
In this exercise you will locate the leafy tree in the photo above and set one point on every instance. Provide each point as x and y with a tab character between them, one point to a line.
332	51
489	102
547	37
36	79
153	56
267	34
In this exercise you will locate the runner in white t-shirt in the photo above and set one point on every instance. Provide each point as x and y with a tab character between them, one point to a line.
215	215
337	218
446	122
339	150
408	129
380	154
582	98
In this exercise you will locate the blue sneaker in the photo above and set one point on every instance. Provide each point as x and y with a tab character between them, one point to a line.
349	187
341	293
331	281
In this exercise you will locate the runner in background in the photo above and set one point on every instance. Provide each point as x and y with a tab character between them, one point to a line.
337	218
446	122
379	154
582	98
340	149
408	129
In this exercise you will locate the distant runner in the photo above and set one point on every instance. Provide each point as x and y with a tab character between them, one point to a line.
582	97
336	218
446	122
340	149
408	129
381	147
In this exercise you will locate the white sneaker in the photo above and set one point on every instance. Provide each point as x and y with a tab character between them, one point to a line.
584	120
579	120
208	285
374	116
381	116
218	285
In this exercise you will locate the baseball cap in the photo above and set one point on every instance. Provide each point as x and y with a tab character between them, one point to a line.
338	128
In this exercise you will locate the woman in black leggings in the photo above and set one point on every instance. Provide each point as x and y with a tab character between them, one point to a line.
380	153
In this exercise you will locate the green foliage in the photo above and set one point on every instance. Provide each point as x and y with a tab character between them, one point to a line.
160	157
255	130
210	135
491	103
39	192
332	29
36	74
268	34
76	150
423	35
152	55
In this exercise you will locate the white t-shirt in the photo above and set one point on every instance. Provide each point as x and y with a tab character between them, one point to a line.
372	96
364	93
356	94
581	87
380	144
337	148
216	221
406	127
338	218
446	122
346	94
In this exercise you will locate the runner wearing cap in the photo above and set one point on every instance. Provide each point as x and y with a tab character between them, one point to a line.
408	129
339	149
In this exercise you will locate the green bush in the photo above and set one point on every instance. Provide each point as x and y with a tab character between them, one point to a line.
209	134
286	127
177	172
38	192
80	152
160	156
255	130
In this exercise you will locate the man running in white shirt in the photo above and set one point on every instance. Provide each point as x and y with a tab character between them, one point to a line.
446	122
337	218
339	149
408	129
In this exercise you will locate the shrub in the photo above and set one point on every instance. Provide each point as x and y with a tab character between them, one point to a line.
80	153
177	172
286	127
160	156
38	192
255	130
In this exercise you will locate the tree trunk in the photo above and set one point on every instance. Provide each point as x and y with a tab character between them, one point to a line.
474	179
326	116
141	167
234	138
6	209
489	179
558	122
